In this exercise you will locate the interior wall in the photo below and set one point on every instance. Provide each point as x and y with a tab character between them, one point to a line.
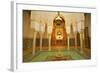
88	22
27	31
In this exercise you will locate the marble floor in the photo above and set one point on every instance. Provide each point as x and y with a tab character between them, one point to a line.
55	56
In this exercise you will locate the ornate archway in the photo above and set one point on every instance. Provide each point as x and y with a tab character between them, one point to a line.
59	36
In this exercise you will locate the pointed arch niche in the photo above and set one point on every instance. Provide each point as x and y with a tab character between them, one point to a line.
59	35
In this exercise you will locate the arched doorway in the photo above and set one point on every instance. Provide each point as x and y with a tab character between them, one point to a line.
59	36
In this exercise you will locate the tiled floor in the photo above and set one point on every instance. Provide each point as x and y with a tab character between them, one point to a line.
42	56
73	54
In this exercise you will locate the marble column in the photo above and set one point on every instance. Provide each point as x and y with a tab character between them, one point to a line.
49	43
34	43
81	41
75	40
82	36
68	41
41	42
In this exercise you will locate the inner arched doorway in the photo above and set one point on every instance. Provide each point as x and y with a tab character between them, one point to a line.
59	36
